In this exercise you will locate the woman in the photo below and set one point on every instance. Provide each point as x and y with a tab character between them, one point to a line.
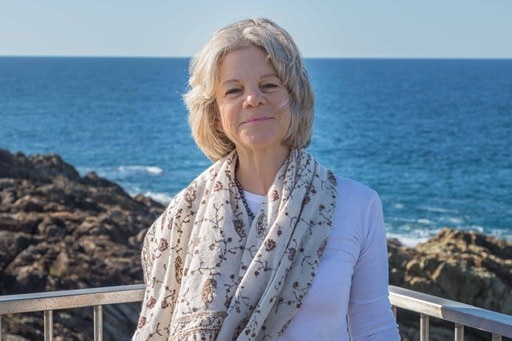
266	244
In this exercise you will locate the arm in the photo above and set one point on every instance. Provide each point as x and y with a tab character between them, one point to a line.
370	316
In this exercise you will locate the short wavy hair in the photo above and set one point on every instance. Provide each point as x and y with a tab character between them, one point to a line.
283	55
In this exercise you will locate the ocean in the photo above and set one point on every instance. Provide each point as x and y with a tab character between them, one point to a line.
432	136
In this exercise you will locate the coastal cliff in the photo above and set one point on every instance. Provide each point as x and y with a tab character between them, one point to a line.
59	230
458	265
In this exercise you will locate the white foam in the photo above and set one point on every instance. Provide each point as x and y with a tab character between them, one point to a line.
162	198
436	209
454	221
155	170
406	241
152	170
411	234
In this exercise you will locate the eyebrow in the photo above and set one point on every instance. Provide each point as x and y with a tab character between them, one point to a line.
234	80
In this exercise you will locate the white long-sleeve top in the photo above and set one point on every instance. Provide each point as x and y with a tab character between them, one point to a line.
348	299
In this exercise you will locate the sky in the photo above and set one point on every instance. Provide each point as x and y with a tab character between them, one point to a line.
323	29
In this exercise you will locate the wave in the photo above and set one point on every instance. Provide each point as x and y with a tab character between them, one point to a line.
121	172
162	198
408	241
137	169
436	209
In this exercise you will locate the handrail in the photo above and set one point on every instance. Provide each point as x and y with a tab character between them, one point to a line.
426	305
452	311
64	299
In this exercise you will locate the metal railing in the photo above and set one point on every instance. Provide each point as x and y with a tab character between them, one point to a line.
66	299
462	315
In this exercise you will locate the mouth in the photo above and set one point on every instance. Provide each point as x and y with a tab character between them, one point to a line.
257	119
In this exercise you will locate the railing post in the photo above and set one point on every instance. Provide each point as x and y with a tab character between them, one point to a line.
48	325
459	332
393	308
424	327
98	323
496	337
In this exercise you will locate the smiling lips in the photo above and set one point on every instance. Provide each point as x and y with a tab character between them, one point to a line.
257	119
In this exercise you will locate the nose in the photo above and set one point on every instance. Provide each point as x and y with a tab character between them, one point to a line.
253	99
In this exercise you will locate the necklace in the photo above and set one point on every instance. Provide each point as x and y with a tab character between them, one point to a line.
242	196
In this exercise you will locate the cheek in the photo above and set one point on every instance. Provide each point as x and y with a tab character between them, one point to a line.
225	122
228	111
288	121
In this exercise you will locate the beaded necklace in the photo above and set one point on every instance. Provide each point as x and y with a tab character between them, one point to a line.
242	196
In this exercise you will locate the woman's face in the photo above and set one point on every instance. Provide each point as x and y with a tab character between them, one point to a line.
252	101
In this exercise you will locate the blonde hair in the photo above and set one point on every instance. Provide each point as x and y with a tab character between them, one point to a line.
283	55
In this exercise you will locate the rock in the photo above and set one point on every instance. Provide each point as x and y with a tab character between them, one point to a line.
35	168
60	231
463	266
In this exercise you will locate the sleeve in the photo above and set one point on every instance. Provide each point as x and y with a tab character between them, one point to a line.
370	316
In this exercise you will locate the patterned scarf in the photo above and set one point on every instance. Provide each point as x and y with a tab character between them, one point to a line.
211	275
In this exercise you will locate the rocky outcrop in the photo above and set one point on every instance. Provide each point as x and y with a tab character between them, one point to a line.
59	231
458	265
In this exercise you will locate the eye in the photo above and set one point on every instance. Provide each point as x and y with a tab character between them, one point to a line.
232	91
270	86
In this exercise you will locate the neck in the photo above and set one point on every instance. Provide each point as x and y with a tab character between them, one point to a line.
257	170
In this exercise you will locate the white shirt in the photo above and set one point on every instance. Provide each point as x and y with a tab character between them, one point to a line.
348	299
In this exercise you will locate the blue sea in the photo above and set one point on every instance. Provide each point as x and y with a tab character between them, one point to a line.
433	137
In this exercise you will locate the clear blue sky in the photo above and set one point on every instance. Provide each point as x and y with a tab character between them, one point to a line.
333	28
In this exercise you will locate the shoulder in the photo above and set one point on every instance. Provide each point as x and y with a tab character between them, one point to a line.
185	203
358	214
350	190
194	191
357	205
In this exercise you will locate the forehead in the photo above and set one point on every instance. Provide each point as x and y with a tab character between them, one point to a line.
245	62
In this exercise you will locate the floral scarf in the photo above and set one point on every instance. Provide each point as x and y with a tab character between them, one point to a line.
210	274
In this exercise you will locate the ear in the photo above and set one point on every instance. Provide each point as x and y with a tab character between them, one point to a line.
216	119
218	125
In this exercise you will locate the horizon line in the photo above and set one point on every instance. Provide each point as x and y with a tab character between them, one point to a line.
304	57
